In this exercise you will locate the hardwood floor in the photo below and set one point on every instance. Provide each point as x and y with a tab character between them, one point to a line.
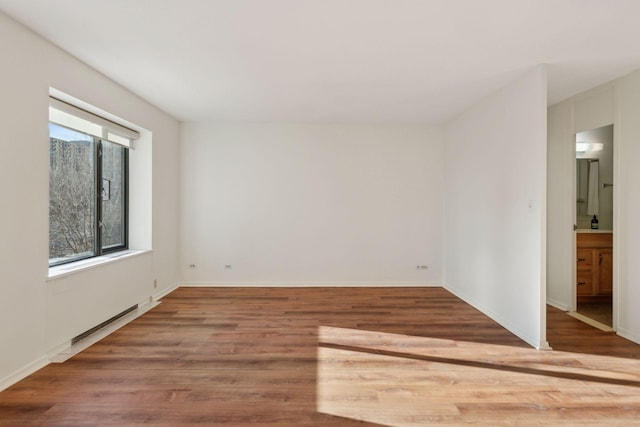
565	333
332	356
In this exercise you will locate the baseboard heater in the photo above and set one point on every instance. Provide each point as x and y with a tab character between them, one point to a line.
95	329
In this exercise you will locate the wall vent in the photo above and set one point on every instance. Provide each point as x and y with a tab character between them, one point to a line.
95	329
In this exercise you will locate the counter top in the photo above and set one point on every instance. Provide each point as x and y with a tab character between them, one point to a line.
588	230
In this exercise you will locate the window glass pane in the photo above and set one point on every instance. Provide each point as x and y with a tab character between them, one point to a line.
72	198
113	195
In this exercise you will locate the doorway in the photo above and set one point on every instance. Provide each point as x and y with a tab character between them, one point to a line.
594	227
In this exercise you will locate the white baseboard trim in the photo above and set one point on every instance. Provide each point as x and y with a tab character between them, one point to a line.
23	373
557	304
310	284
61	353
163	293
65	350
500	320
631	336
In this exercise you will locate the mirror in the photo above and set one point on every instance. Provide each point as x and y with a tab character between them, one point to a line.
594	178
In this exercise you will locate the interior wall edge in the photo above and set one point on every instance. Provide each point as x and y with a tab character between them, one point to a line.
532	341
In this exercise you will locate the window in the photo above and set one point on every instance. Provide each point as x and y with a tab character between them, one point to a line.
88	182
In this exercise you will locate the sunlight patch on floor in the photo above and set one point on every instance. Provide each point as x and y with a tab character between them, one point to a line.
400	380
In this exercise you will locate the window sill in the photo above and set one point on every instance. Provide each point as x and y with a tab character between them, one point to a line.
64	270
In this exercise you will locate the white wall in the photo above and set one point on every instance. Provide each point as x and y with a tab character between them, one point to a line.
561	154
78	302
31	66
593	109
494	233
627	234
311	204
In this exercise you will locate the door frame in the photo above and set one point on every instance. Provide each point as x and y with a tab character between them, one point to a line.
616	213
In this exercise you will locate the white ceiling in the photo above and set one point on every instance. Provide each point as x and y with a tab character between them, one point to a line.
338	61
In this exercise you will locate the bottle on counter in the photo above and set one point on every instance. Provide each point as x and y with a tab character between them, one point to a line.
594	223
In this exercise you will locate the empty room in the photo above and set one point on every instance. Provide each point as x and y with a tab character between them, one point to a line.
306	212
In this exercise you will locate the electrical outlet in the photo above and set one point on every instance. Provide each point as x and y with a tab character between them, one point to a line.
227	266
422	267
155	283
192	266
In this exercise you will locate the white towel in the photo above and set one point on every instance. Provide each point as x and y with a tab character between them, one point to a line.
593	199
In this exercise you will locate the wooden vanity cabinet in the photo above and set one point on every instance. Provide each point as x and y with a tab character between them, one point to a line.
594	265
605	271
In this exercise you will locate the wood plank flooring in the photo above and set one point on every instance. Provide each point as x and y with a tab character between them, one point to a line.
333	357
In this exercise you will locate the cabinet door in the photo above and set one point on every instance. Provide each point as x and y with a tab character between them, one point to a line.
585	259
585	283
605	271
